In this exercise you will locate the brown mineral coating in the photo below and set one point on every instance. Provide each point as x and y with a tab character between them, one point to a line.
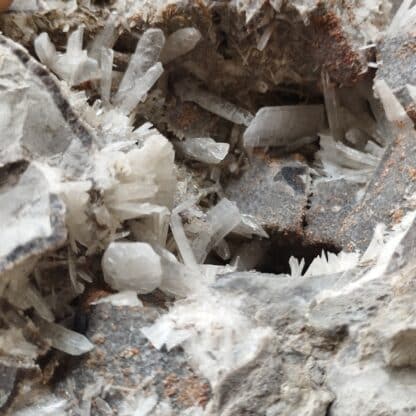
227	59
5	4
333	50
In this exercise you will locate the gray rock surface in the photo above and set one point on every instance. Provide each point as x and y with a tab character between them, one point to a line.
330	203
397	62
339	349
274	190
125	359
386	199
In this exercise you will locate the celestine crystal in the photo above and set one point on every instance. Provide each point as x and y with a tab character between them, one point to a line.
209	205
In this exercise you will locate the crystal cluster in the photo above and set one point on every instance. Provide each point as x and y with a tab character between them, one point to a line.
237	176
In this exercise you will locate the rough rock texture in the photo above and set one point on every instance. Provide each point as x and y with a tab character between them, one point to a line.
388	195
7	380
330	203
397	62
341	348
274	190
100	165
125	359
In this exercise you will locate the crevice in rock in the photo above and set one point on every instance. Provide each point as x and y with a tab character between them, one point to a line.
282	246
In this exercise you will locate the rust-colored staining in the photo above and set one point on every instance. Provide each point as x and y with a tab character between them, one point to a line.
96	357
332	49
411	112
170	385
174	17
129	352
407	48
5	4
98	339
185	115
412	173
92	295
397	215
188	391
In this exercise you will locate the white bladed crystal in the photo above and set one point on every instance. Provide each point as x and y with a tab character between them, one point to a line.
282	125
144	58
204	149
132	266
189	91
342	162
179	43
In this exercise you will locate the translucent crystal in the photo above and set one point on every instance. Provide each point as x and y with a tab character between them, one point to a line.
249	226
189	91
140	89
179	279
105	39
395	112
132	266
332	107
125	298
106	66
13	343
204	149
179	43
340	161
281	126
139	404
296	267
328	263
265	37
179	235
220	221
404	19
45	50
209	323
39	304
145	57
153	225
63	339
47	406
412	92
74	66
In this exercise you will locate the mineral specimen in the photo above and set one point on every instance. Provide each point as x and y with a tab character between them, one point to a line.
209	205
